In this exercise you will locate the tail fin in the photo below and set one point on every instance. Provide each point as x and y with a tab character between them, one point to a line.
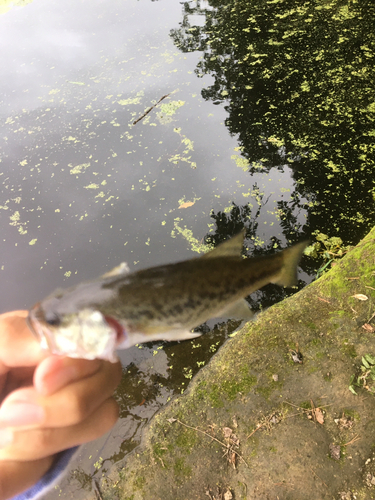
291	258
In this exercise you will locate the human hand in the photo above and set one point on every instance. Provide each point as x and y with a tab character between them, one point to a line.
47	404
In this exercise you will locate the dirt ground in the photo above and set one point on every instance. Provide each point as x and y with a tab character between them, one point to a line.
255	424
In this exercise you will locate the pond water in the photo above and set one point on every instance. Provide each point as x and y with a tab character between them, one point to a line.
267	123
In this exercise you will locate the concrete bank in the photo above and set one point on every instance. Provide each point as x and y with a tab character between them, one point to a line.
254	424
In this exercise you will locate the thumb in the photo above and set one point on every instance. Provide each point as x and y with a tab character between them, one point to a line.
18	346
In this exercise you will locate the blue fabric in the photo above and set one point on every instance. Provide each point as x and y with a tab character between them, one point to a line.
51	477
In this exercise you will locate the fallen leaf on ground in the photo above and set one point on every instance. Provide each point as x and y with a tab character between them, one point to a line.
319	416
335	451
360	296
227	431
368	328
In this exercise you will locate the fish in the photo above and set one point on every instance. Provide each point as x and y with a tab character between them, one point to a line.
120	309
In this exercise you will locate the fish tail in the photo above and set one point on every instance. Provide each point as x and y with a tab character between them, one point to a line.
291	257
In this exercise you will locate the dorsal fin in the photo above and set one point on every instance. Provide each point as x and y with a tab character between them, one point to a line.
122	268
229	248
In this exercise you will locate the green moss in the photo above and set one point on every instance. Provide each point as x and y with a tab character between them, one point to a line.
354	415
316	342
201	388
313	369
348	349
229	389
215	396
139	482
328	377
159	450
186	439
306	405
341	313
232	387
320	355
181	469
264	391
311	325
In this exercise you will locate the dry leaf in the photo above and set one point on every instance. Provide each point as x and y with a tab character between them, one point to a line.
335	451
319	416
344	422
360	296
235	440
368	328
232	459
187	204
228	495
227	431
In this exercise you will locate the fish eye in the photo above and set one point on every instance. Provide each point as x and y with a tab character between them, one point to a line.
53	319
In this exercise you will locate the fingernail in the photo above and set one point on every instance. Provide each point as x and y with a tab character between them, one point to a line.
18	413
6	437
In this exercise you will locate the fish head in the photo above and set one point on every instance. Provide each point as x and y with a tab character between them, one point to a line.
79	331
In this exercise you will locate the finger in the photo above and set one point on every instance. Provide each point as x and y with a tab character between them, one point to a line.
37	443
23	313
14	379
55	372
18	346
70	405
16	476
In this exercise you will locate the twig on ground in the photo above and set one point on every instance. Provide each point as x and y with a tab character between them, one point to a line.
355	438
312	470
254	431
209	435
324	300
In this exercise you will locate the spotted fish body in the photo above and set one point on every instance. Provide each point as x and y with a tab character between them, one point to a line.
121	309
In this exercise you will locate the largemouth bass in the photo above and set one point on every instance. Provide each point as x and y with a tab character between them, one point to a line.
121	309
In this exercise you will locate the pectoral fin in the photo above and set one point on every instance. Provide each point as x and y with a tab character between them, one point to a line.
180	335
238	310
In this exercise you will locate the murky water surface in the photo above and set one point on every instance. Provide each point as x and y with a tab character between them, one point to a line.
266	122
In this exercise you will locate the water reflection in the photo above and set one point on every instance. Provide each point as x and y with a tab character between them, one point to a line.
296	82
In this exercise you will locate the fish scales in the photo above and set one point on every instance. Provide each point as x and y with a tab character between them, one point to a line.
119	309
211	282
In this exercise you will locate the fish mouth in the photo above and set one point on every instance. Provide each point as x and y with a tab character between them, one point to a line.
117	327
40	331
51	339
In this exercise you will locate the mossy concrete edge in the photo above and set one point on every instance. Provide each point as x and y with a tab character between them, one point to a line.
250	376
